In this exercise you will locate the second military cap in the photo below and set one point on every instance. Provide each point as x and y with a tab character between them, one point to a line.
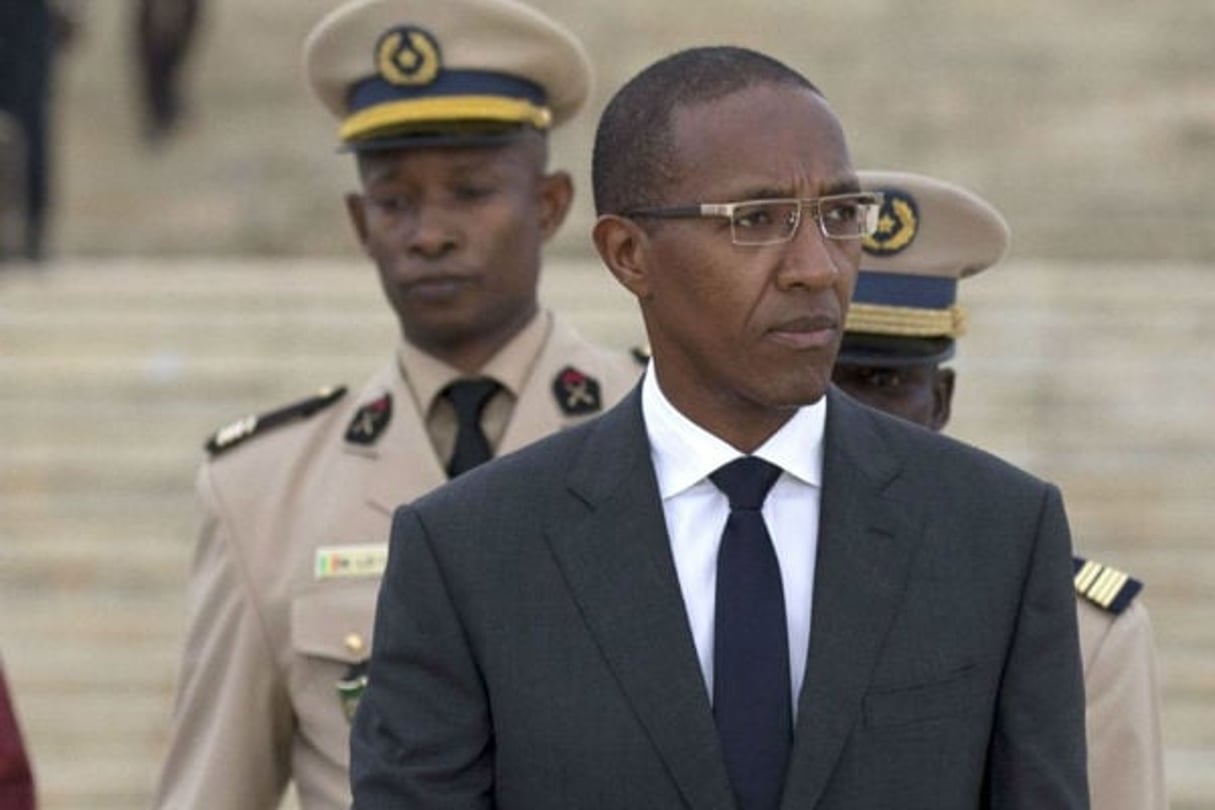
399	73
930	235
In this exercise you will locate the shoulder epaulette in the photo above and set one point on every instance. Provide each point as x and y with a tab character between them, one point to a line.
641	354
1107	588
231	435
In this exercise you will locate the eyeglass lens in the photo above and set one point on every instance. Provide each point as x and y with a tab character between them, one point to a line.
765	222
770	221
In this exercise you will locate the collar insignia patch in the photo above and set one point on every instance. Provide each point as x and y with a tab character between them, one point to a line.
370	421
576	393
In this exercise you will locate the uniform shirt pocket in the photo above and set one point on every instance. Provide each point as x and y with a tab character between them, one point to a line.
334	620
331	625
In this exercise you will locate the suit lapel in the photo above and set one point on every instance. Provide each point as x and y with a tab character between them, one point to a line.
866	541
616	559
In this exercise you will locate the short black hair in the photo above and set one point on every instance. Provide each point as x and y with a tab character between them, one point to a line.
634	151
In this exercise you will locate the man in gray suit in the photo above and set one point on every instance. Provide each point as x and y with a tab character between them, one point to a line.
738	588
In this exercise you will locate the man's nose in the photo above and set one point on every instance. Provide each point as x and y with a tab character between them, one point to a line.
434	231
810	258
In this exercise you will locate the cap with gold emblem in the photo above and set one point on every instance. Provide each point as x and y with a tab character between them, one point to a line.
930	235
401	73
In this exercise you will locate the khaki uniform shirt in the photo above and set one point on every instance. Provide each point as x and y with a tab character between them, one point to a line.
287	567
1125	745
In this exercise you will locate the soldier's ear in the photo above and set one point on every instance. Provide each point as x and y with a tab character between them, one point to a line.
556	195
624	247
356	209
942	396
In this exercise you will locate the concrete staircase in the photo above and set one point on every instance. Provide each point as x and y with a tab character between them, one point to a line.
113	372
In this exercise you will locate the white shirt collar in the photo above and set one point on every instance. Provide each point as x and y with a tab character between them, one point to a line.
684	453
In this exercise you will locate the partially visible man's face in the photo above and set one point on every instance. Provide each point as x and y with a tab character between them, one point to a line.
456	235
919	394
744	335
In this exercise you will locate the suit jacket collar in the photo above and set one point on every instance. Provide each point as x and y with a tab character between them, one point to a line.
867	536
619	546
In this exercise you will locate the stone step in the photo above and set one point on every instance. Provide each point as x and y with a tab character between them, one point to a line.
115	371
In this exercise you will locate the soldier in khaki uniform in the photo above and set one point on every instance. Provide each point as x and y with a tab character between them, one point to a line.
446	107
902	324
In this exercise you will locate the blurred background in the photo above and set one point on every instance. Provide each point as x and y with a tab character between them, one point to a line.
196	277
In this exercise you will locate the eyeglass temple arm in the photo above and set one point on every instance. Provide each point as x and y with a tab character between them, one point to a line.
676	211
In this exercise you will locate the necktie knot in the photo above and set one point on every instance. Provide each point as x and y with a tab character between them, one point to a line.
468	398
746	481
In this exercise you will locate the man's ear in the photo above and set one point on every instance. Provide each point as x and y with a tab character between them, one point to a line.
623	246
942	396
556	196
356	209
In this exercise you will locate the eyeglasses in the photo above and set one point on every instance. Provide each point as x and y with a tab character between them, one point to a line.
770	222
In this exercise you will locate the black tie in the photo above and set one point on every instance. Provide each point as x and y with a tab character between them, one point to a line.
469	397
751	700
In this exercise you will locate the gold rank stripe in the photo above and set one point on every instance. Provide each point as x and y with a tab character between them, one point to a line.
883	319
366	560
1100	583
1085	576
1107	586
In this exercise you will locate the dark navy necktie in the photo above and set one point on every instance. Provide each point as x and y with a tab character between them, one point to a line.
751	692
469	398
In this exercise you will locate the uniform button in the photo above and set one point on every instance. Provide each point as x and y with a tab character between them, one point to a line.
354	643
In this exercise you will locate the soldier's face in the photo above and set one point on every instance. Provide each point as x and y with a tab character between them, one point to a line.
456	235
920	394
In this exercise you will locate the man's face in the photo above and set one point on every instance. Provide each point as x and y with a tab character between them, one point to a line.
744	335
919	394
456	235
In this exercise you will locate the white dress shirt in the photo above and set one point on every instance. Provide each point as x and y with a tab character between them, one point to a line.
684	454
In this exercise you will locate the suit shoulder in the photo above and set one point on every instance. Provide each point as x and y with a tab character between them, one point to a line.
1104	586
248	427
938	455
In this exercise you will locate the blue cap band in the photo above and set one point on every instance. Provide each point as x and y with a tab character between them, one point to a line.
900	290
376	90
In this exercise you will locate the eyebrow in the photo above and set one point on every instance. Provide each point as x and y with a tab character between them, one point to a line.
849	185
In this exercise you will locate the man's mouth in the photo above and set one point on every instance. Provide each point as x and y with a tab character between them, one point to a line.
806	332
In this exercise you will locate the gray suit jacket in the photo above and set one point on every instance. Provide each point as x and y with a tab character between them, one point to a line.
532	649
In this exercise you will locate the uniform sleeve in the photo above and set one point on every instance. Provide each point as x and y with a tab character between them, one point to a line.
230	736
1125	746
421	737
1037	758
